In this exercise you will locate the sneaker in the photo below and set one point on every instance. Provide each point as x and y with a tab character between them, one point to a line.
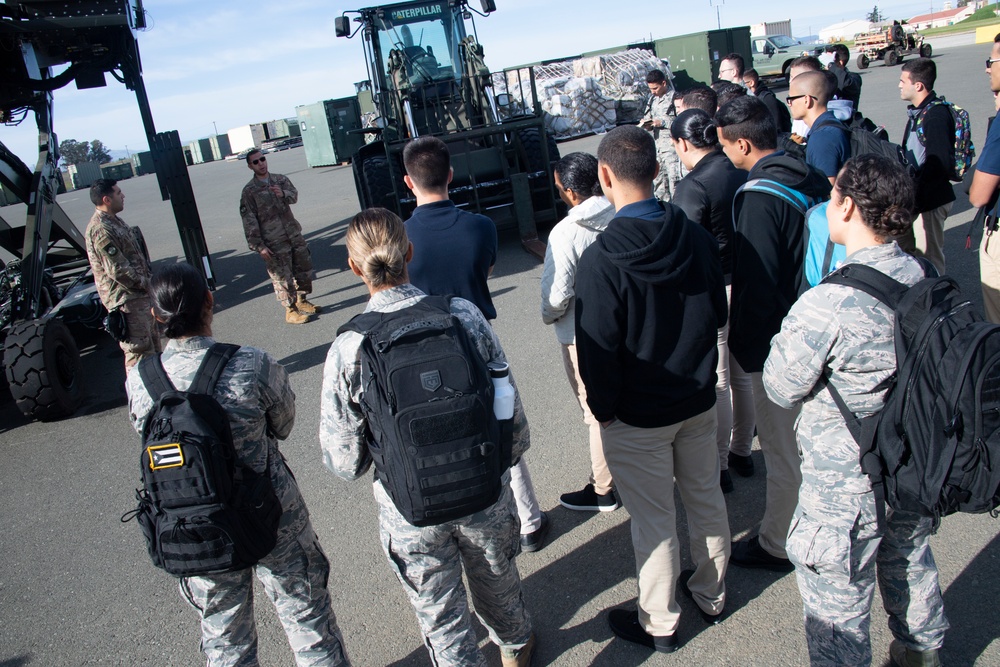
625	624
901	656
726	482
750	554
535	540
743	465
589	500
519	658
682	582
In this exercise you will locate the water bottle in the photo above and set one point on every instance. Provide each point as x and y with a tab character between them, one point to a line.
503	392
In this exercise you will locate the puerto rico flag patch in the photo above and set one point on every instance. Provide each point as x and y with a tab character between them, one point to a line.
165	456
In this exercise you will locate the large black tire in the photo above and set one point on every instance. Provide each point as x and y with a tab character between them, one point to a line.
42	365
530	140
377	183
862	61
891	57
925	50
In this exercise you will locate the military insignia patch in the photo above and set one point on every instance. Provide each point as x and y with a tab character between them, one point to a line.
165	456
431	380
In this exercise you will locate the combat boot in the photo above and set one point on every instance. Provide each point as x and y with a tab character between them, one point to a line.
906	657
519	658
303	306
293	316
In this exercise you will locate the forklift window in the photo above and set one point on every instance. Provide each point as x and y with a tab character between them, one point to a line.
429	47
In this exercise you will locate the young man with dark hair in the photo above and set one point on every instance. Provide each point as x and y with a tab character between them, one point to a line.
731	69
274	233
829	144
699	97
782	119
657	119
768	276
650	299
929	142
453	254
983	192
121	271
727	91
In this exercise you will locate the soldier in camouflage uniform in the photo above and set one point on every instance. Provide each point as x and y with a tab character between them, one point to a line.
121	270
657	120
835	542
429	561
255	391
274	233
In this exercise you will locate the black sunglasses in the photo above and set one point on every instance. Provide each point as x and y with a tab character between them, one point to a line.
792	98
259	160
990	61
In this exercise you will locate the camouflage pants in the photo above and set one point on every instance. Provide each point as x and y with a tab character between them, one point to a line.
428	562
837	564
295	577
291	271
670	170
143	335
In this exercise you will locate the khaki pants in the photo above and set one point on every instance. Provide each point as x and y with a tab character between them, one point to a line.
927	238
776	432
644	462
600	476
989	269
733	401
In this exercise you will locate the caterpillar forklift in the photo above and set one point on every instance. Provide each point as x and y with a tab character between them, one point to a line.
46	283
428	78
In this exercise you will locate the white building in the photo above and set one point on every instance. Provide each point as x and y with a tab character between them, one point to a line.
843	31
942	18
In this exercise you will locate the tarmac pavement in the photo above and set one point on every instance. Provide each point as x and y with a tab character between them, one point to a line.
77	587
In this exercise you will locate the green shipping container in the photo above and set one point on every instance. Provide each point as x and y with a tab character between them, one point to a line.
328	134
694	59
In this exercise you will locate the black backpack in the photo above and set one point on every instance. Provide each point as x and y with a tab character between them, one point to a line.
868	139
201	509
934	448
427	398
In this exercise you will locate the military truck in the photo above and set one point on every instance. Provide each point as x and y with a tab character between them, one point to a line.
428	78
46	283
773	54
889	43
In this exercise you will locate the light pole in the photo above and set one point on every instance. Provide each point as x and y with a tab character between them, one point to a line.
216	128
718	16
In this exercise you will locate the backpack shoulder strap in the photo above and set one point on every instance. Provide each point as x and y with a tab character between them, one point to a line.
215	361
154	376
776	189
870	281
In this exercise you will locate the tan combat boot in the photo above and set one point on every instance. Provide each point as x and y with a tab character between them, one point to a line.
293	316
304	306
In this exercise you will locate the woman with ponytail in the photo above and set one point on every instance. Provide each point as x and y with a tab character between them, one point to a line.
428	559
844	337
706	197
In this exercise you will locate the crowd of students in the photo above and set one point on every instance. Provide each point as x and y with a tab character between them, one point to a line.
684	326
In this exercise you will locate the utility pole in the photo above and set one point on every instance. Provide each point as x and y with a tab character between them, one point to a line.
216	128
718	16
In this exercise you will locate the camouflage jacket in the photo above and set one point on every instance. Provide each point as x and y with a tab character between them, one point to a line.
662	109
121	268
847	336
267	219
342	423
255	391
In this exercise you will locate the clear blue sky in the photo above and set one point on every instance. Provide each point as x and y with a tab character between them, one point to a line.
237	62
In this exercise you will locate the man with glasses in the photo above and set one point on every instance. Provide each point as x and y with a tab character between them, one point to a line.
731	69
829	145
274	233
983	194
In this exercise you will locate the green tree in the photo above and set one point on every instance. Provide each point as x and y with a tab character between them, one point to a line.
74	152
874	16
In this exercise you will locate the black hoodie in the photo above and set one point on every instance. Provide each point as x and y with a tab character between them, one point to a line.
650	298
768	255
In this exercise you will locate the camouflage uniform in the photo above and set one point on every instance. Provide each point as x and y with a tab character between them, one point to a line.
428	561
121	273
662	109
834	539
254	389
268	223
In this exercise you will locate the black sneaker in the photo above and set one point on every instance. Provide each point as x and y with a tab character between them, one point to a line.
711	619
589	500
726	482
625	624
743	465
535	540
751	554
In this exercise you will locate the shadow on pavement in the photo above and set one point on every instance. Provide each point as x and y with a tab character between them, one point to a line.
974	590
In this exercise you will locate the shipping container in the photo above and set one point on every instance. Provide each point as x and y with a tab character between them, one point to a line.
220	146
84	174
143	163
694	58
771	28
201	151
119	170
330	131
245	137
